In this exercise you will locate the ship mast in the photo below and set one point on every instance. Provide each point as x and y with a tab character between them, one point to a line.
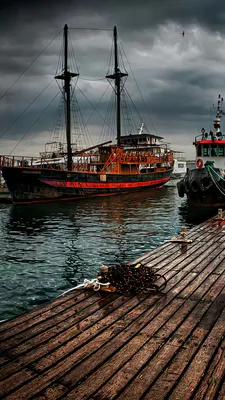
66	76
117	76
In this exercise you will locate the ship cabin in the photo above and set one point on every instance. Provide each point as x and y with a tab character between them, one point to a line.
143	141
210	147
141	152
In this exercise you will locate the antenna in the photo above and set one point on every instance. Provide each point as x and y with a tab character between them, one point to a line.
218	106
141	129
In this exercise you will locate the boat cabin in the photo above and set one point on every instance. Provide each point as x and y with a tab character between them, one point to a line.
143	141
210	147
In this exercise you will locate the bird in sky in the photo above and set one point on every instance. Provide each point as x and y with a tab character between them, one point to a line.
183	33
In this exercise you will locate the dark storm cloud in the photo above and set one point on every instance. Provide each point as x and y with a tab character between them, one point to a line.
129	13
178	77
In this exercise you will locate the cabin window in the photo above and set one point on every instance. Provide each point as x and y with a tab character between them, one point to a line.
221	150
180	165
213	150
205	150
199	152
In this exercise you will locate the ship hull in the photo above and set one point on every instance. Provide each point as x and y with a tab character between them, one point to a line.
203	190
31	185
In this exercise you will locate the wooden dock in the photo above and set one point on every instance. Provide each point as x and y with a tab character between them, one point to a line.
92	345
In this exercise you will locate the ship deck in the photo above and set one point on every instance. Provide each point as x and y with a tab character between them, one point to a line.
96	345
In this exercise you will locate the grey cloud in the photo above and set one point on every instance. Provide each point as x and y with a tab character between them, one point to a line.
177	76
130	15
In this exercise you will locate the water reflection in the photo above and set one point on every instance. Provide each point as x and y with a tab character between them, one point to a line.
195	215
43	244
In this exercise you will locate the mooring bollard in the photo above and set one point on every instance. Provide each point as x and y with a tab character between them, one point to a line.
219	216
182	238
103	274
183	233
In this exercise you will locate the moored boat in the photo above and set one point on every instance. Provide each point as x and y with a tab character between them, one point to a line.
137	161
180	165
204	186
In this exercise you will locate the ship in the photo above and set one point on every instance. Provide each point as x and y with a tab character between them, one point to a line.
136	161
204	185
180	164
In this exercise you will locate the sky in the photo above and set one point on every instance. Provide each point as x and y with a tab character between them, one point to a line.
179	77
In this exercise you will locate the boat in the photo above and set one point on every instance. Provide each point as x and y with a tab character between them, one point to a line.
204	185
179	168
136	161
180	165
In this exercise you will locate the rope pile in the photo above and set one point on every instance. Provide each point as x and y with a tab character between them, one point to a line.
130	279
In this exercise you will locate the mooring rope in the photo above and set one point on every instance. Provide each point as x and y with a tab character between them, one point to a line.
220	176
215	183
88	284
123	278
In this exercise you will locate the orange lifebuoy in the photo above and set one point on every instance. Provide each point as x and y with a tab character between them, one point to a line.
199	163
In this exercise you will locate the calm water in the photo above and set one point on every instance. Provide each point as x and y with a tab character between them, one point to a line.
41	245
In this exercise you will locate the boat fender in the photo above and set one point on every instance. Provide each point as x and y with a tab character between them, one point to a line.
194	186
205	183
199	163
181	189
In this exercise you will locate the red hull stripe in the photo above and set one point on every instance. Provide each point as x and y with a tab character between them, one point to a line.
218	141
105	185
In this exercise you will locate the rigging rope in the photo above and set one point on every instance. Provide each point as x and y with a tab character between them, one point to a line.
34	123
73	55
25	109
91	29
135	108
30	65
139	89
94	107
91	79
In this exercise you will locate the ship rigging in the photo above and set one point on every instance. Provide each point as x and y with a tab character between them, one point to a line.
135	162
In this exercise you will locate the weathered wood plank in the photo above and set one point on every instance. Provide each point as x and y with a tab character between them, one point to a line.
56	324
86	366
3	359
221	394
54	391
209	386
189	337
185	258
35	349
205	235
198	365
8	385
186	386
40	310
112	346
173	254
221	267
112	387
60	367
21	328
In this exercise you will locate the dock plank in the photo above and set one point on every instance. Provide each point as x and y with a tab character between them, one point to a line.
56	321
188	337
210	384
146	333
88	345
198	365
40	310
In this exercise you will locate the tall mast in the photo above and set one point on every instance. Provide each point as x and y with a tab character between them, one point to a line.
66	76
117	76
